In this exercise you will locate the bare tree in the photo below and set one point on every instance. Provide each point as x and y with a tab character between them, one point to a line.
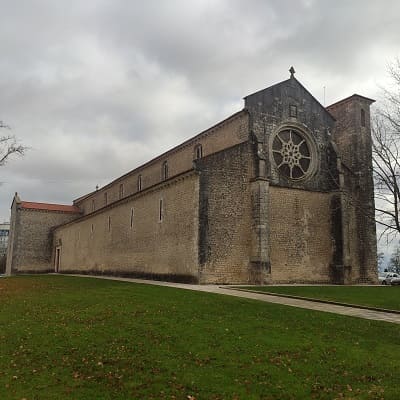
380	258
394	262
386	156
9	145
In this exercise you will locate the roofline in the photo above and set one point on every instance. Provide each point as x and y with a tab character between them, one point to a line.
153	160
16	199
46	204
83	197
152	188
287	80
349	98
269	87
71	210
126	199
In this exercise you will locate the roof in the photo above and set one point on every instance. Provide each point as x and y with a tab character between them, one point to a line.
49	207
349	98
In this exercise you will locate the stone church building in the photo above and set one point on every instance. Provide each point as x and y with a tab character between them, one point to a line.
279	192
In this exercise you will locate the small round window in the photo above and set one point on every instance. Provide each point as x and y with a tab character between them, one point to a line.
292	154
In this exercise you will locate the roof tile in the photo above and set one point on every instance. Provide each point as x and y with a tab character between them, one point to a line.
49	207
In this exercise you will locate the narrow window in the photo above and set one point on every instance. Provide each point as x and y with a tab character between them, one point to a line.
161	211
362	117
121	190
164	171
105	198
93	205
132	215
293	111
198	152
139	183
92	228
109	223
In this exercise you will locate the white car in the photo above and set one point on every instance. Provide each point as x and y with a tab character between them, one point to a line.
395	281
386	279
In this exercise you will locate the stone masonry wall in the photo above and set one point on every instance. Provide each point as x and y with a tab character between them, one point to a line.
12	237
32	238
227	133
270	111
129	239
302	247
226	215
352	136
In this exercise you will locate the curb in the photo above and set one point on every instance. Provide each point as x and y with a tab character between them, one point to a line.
336	303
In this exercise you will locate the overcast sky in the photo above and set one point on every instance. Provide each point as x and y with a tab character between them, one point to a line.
97	87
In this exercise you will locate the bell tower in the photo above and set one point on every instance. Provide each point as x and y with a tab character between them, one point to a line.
352	135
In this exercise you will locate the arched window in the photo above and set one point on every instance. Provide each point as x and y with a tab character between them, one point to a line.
164	170
139	183
105	199
109	223
121	190
362	117
198	152
93	205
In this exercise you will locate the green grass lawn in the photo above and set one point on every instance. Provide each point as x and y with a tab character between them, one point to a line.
82	338
374	296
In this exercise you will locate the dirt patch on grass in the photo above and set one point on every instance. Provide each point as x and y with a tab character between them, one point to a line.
20	286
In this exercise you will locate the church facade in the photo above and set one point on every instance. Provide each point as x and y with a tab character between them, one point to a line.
279	192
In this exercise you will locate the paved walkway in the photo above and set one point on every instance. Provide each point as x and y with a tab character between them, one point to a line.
310	305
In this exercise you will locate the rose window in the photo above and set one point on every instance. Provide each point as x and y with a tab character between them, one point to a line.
291	154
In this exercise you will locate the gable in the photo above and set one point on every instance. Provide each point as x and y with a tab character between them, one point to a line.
278	99
288	108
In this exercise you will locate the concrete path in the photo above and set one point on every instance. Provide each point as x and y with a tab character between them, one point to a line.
310	305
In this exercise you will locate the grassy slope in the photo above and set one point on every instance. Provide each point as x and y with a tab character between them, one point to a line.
375	296
65	337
